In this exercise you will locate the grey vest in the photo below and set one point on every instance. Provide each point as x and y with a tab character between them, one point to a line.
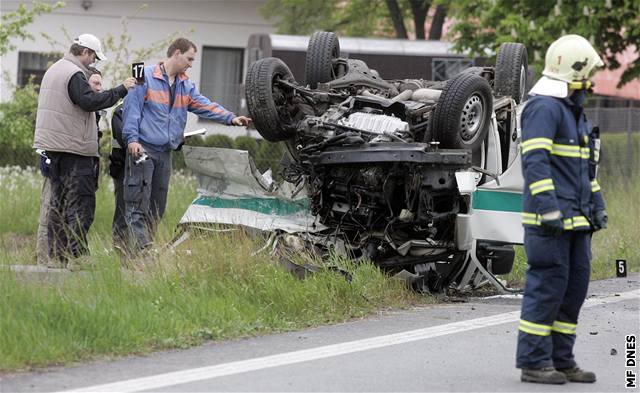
61	125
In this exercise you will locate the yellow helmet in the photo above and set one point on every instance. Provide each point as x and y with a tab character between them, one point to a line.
568	64
571	58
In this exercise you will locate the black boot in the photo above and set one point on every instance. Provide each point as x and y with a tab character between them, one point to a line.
576	374
543	375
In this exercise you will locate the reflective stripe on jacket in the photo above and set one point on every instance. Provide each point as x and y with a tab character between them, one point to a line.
149	119
558	162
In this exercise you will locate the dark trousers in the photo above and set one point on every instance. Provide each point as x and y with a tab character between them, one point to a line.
146	186
116	171
556	285
73	204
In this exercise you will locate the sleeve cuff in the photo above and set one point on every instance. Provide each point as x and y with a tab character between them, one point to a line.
122	91
552	215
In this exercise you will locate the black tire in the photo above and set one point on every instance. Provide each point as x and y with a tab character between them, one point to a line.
267	102
511	71
472	70
322	49
463	113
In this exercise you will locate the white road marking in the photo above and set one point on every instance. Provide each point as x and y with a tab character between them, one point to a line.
242	366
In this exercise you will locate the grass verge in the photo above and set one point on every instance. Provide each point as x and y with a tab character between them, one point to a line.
218	290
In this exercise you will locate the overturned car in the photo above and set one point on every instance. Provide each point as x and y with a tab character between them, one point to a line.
418	176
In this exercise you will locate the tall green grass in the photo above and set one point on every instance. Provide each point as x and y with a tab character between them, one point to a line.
20	191
217	290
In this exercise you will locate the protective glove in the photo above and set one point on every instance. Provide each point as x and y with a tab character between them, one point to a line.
600	220
551	223
552	227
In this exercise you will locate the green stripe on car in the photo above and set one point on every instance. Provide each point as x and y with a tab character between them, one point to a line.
498	201
272	206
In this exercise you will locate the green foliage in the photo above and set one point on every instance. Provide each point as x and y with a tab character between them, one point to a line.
247	143
17	125
301	16
219	141
13	23
611	25
355	18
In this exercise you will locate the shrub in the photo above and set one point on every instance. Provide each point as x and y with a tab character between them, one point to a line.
17	125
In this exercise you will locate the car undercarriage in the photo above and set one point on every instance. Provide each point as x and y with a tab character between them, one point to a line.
383	161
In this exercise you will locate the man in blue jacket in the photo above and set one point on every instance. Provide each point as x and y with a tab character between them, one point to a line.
155	115
562	207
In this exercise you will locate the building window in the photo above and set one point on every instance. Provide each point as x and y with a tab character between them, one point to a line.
447	68
34	65
221	76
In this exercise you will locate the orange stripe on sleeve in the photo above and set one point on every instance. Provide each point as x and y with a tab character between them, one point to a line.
210	108
159	97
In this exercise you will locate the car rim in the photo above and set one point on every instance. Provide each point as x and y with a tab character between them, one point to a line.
472	117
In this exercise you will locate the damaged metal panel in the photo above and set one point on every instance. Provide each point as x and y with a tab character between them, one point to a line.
232	191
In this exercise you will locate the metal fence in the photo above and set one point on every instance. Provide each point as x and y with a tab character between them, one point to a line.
615	120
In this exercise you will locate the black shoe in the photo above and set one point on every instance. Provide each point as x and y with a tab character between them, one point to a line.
576	374
543	375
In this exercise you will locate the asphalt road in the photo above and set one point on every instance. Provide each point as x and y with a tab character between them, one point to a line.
456	347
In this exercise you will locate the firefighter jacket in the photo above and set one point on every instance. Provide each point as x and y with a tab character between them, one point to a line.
156	115
560	153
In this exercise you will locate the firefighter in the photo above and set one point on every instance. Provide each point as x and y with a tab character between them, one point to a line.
562	207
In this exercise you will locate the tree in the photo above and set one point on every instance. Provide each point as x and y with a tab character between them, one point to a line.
611	25
14	23
378	18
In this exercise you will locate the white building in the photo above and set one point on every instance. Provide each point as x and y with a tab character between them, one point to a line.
220	29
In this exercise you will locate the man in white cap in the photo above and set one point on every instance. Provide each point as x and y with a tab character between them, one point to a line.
562	207
66	129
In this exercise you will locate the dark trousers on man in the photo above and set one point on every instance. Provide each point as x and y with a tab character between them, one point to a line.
556	285
116	171
73	204
146	186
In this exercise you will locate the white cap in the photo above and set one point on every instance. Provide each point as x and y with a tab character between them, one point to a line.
550	87
92	42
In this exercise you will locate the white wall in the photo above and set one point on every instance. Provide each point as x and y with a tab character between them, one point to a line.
214	23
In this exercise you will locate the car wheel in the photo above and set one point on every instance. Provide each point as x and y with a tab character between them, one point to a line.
269	102
511	71
322	49
463	112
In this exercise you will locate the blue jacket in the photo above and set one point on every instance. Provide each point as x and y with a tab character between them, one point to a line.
559	159
148	119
